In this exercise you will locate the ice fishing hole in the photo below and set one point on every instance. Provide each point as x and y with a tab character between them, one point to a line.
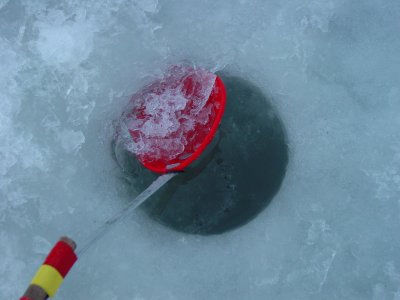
234	180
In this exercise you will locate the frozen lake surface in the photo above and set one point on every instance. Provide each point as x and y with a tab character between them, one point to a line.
332	72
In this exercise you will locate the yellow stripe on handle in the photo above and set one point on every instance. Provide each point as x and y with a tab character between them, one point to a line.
48	279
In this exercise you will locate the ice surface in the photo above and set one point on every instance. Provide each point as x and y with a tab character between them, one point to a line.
64	39
41	245
67	68
71	140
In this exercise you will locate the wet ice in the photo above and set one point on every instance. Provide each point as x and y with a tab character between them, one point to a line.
67	70
159	119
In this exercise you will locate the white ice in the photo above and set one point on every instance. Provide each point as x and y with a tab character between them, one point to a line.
332	68
159	124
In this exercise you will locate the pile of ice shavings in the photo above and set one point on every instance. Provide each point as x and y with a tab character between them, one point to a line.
169	118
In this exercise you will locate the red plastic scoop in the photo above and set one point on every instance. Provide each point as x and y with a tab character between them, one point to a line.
172	120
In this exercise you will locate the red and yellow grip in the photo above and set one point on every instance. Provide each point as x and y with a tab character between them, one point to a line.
56	266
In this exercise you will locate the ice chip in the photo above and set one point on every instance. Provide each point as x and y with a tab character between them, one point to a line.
168	113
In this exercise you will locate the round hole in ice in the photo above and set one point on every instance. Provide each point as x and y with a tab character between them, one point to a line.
236	177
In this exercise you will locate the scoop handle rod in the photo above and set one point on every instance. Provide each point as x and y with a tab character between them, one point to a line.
108	224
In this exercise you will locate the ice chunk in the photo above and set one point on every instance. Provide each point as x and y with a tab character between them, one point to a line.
62	41
71	140
162	116
41	245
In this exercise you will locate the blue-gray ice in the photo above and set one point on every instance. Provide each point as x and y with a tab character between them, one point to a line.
332	68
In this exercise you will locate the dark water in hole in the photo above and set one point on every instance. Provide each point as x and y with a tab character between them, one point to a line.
234	180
